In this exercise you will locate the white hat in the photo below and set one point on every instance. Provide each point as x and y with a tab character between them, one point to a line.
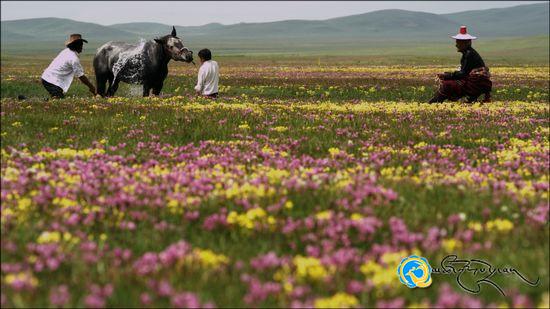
463	34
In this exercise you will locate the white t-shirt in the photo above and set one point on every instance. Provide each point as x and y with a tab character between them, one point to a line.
63	68
209	75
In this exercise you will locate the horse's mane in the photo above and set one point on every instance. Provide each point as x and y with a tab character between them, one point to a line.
164	38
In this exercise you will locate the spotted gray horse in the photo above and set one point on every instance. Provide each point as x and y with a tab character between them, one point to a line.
145	63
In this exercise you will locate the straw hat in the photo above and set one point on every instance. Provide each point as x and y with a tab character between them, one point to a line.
463	34
74	37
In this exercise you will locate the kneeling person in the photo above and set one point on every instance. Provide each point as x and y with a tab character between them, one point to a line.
57	78
209	75
471	81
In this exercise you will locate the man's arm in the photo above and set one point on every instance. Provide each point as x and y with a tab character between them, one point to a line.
87	82
464	69
200	82
79	72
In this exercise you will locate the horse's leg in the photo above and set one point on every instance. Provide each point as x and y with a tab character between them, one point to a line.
113	88
100	80
471	99
146	89
157	88
110	78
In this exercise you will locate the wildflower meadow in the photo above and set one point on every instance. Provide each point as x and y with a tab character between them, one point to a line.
304	185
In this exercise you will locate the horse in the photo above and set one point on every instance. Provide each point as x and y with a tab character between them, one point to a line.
145	63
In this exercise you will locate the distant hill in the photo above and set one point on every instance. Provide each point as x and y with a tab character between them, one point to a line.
56	29
396	24
157	29
142	28
519	21
523	20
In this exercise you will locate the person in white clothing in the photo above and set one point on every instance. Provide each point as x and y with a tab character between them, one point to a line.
58	76
209	75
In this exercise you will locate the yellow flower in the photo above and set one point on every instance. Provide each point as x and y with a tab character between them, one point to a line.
288	287
275	176
248	219
232	217
339	300
255	213
267	150
333	151
209	259
24	203
476	226
280	129
21	276
501	225
49	237
324	215
244	126
451	244
64	202
309	268
289	205
174	206
420	145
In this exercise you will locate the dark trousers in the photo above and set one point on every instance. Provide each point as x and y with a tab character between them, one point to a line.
211	96
53	90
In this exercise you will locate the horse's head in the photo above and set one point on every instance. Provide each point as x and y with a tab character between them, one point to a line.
175	48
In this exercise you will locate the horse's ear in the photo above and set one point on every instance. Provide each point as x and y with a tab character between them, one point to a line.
159	41
173	31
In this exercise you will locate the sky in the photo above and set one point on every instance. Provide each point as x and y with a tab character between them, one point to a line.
195	13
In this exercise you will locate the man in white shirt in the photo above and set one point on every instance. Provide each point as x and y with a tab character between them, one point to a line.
57	78
209	75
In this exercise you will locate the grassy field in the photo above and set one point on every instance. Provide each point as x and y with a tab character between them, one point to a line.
340	78
304	184
500	51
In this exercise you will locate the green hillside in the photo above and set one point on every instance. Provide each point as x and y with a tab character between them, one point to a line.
144	29
56	29
395	23
381	33
521	20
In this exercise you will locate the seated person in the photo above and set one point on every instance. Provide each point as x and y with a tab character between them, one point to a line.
471	81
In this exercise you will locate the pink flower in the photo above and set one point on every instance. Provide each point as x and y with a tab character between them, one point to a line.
164	288
60	296
185	300
392	303
269	260
355	287
94	301
145	299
